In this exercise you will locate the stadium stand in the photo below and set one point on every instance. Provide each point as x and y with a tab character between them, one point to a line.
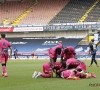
40	14
48	11
94	15
25	13
44	11
86	15
12	9
73	11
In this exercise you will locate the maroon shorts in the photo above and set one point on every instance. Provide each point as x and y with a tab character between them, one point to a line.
4	59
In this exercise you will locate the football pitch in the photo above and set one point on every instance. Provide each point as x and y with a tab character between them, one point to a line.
20	78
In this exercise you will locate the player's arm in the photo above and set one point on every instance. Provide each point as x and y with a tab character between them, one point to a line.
67	66
89	51
97	46
62	55
52	60
32	53
98	43
16	50
63	62
74	54
62	58
10	51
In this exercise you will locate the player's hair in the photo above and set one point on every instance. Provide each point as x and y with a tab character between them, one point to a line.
58	51
92	40
79	69
66	50
3	35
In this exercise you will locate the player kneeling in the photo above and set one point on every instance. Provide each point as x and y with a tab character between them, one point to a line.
47	70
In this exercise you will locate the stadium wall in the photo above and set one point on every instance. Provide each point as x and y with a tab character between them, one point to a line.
73	33
39	45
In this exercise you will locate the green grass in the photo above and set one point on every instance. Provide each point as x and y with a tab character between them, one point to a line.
20	78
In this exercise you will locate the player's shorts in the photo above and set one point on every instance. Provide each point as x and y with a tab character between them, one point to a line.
15	54
3	59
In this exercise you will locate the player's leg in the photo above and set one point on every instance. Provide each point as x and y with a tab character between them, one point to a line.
15	55
47	71
6	59
44	75
88	75
73	75
57	68
93	75
69	75
96	63
84	74
4	70
39	74
95	60
91	61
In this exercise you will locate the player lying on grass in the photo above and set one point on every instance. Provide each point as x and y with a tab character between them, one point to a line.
74	63
72	74
75	74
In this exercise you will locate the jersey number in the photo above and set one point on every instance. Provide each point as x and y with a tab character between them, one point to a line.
4	44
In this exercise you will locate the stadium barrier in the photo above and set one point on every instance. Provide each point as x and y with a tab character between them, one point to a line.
52	27
44	55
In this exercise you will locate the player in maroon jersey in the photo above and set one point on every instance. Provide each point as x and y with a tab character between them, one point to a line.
4	45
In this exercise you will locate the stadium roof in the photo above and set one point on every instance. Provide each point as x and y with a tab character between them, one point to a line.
10	0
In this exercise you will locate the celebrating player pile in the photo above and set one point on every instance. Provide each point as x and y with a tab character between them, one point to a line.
68	68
